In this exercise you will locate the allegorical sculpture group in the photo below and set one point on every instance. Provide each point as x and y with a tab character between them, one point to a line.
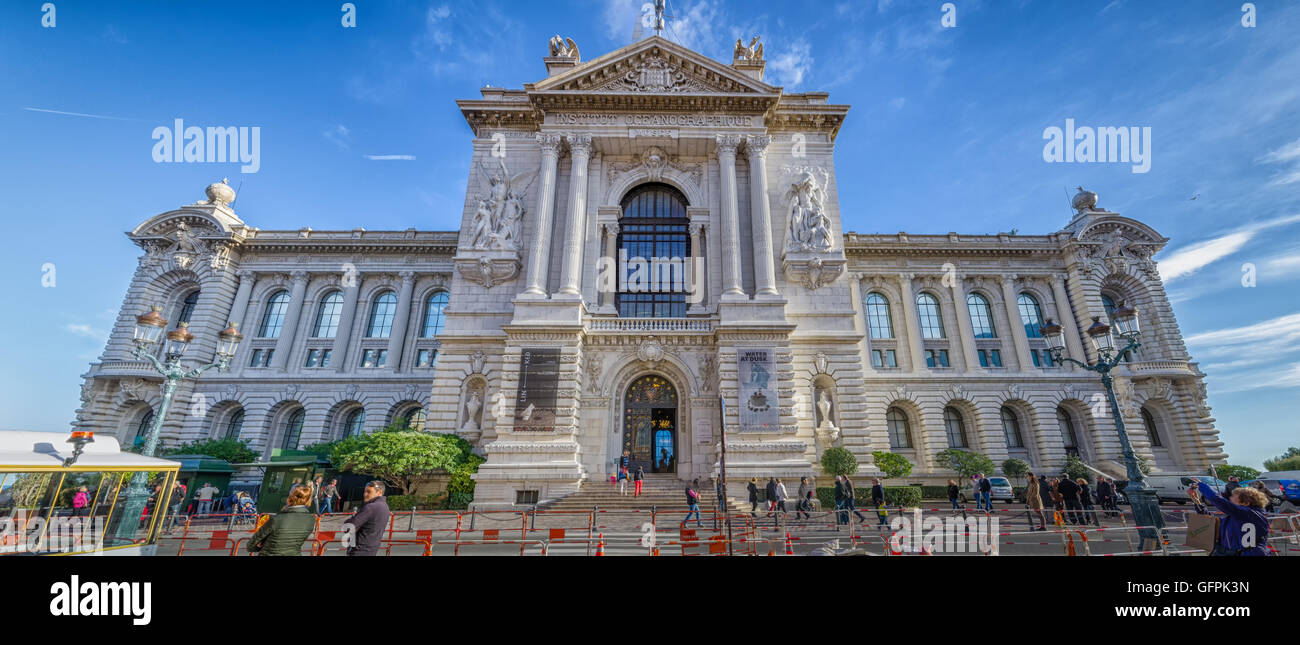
809	228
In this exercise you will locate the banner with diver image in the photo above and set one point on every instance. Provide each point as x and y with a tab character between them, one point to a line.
759	402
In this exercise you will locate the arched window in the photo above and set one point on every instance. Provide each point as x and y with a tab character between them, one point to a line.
981	316
235	425
1067	432
878	321
1011	428
142	429
433	314
927	308
327	317
1031	315
187	307
413	419
381	316
1152	431
355	424
273	318
900	431
954	427
654	248
291	431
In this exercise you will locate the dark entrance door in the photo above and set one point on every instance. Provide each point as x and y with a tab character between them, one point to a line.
650	425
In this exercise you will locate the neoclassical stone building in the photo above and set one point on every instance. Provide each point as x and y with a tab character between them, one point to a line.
650	250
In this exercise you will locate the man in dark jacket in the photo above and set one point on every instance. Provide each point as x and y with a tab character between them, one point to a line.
849	501
771	495
841	517
369	522
1070	495
1045	492
1105	494
878	499
986	493
1233	484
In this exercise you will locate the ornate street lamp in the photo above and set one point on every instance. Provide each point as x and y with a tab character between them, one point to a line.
1142	498
148	329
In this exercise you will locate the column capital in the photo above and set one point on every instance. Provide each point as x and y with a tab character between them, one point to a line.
727	144
408	277
245	274
579	144
612	228
299	276
699	227
756	146
550	143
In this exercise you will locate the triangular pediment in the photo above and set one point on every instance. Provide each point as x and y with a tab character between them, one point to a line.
654	66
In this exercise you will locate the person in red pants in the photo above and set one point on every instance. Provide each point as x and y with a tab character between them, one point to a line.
637	477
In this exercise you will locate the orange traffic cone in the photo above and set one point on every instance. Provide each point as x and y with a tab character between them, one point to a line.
600	546
654	551
789	547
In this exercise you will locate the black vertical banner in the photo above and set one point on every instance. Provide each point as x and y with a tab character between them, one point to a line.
539	381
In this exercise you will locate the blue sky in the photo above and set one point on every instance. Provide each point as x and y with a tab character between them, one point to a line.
945	134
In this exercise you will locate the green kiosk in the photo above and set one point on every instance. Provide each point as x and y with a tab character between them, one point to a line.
197	470
282	470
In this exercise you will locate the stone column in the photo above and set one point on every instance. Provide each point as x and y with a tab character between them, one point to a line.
284	346
1021	340
912	322
571	272
339	353
541	243
860	322
965	327
398	337
611	251
699	268
727	144
761	211
1065	317
247	279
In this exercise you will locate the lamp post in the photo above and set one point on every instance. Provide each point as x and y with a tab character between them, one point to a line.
148	330
1142	498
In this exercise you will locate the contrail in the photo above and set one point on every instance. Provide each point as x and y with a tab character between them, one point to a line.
390	157
89	116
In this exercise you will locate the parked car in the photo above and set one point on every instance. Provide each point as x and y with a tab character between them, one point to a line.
1001	490
1285	488
1173	487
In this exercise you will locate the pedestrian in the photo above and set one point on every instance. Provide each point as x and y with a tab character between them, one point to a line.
1104	494
781	496
369	522
637	478
878	500
327	495
841	516
771	495
1045	491
805	499
205	496
849	501
316	485
81	502
1070	497
622	480
178	496
1034	500
1233	484
692	505
1268	495
975	491
722	501
1244	507
986	492
284	532
954	494
1085	500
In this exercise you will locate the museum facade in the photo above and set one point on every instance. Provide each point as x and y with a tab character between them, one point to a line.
650	251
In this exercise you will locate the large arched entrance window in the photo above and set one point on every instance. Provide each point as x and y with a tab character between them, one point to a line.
654	247
650	425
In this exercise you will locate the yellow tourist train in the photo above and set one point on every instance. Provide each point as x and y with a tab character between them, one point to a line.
79	495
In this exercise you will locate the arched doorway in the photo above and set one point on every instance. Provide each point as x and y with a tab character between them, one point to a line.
650	425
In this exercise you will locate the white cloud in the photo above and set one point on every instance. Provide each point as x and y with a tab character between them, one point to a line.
390	157
1289	153
338	135
789	67
86	331
1188	260
1248	357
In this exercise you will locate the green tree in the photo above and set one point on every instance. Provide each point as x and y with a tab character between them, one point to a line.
891	464
1289	460
1015	468
1074	468
235	451
966	463
1227	470
839	461
399	455
1143	464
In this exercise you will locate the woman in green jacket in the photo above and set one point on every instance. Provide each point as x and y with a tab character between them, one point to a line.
284	532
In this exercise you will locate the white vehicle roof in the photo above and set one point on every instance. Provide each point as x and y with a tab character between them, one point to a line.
23	450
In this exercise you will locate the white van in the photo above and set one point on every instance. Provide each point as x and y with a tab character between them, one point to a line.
1172	487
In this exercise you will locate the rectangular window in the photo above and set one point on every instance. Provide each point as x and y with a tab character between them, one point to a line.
527	497
943	358
995	357
313	357
929	358
325	357
877	359
1034	354
422	358
891	359
256	359
984	358
368	358
383	358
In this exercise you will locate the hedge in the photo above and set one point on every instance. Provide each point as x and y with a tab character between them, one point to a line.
894	496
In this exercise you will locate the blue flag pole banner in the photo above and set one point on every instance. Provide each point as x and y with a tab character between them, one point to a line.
539	380
759	405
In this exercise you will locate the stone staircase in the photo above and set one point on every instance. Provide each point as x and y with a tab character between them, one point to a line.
662	491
